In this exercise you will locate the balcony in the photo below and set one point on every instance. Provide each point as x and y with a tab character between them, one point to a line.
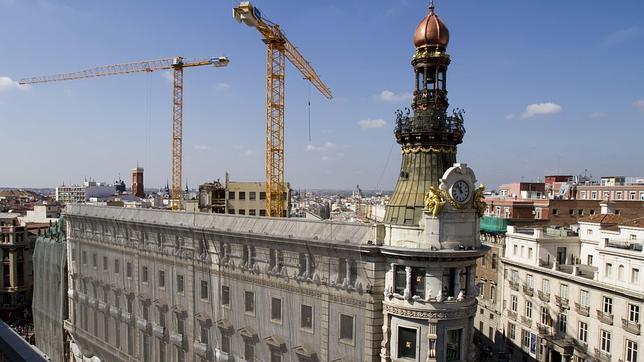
177	339
526	321
561	302
631	327
142	324
582	309
158	331
512	315
543	329
602	356
604	317
514	285
543	296
528	290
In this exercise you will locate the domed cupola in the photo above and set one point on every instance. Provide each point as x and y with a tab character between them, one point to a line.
431	31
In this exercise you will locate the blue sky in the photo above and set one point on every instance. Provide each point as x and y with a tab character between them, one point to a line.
547	86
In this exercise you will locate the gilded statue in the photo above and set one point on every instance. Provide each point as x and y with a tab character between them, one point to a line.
477	200
434	200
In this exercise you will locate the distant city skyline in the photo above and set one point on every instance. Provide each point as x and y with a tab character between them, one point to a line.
546	90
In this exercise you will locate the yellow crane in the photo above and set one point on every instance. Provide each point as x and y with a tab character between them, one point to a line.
177	64
278	48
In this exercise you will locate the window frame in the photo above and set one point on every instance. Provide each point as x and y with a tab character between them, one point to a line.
302	327
352	341
248	293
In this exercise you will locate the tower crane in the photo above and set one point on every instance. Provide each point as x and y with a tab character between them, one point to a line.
177	64
278	48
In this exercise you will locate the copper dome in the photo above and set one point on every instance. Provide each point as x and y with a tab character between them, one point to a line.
431	31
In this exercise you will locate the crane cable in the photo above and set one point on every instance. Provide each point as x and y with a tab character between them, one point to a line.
309	109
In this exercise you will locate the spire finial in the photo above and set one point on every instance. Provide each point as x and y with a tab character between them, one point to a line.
431	4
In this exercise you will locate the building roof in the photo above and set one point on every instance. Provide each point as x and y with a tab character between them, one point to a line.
612	219
291	228
8	215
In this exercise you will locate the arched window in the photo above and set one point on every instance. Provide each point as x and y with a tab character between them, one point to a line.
620	273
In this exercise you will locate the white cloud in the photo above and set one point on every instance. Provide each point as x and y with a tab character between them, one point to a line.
8	84
597	115
222	87
201	147
639	104
323	148
389	96
539	109
168	75
371	123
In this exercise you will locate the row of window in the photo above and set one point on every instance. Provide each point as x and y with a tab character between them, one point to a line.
616	195
634	276
252	195
607	306
251	212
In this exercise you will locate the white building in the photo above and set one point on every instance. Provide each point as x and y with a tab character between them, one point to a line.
82	193
575	297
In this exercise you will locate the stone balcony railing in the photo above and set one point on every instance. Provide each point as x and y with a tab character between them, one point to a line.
543	296
601	355
528	290
604	317
514	285
512	315
526	321
543	329
582	309
177	339
561	302
631	327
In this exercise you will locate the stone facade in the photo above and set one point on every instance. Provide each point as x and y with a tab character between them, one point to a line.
16	276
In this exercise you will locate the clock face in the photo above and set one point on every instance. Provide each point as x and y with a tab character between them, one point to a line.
460	191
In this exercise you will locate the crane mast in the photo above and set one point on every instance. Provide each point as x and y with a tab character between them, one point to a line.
279	48
177	64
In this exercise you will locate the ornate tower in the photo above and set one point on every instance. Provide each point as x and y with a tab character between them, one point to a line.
137	182
432	222
429	136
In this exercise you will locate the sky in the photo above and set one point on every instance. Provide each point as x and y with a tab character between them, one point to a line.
548	87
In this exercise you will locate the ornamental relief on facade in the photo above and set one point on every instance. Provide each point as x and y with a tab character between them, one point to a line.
456	314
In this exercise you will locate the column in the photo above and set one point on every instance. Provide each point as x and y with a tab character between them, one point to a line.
13	261
431	339
407	293
384	350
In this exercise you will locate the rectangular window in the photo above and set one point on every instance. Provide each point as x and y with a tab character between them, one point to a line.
105	263
117	266
242	195
179	283
583	332
262	195
204	333
633	313
249	302
563	291
231	195
276	355
346	328
513	303
406	342
514	249
494	261
204	289
590	260
545	317
94	260
231	211
604	340
249	350
418	282
276	310
583	298
528	309
242	212
84	257
128	269
306	317
225	343
529	253
161	279
252	212
225	295
144	274
609	270
631	351
525	338
400	282
608	305
512	331
262	212
529	280
453	344
562	322
252	195
635	275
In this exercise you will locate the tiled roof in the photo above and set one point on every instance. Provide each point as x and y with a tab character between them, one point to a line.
611	219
